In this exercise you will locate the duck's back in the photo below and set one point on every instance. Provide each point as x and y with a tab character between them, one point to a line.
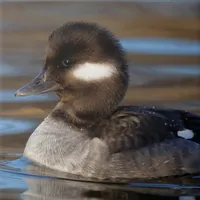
176	120
147	142
136	127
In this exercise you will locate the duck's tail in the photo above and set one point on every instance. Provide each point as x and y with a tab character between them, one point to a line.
192	122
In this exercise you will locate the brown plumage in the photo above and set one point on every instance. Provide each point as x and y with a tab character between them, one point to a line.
87	133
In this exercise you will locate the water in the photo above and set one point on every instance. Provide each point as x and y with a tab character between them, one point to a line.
32	185
163	55
11	126
162	46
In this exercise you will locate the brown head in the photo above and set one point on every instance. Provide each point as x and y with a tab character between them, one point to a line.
85	66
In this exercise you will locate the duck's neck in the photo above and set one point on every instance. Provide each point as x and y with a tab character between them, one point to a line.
84	106
67	113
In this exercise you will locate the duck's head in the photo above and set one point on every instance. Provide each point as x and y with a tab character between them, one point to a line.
85	66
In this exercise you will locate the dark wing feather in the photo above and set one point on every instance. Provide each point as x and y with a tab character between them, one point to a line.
177	119
188	119
133	129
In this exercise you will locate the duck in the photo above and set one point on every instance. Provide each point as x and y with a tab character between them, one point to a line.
88	133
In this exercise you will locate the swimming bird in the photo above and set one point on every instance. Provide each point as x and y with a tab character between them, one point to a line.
88	133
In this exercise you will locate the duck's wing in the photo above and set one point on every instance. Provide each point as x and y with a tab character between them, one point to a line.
167	158
189	121
134	127
179	119
128	129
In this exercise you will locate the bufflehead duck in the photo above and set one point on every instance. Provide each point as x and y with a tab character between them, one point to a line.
87	133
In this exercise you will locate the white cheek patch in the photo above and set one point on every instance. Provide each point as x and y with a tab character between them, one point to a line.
94	71
187	134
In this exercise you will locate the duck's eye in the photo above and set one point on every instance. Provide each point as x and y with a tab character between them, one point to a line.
65	63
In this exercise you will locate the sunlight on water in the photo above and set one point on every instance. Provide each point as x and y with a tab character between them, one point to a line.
11	126
164	46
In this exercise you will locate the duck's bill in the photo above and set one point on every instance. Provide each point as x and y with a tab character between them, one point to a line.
39	85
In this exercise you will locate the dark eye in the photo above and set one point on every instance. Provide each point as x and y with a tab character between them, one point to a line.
65	63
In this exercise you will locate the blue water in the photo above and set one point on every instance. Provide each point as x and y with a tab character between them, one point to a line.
161	46
8	96
13	126
30	183
174	70
11	70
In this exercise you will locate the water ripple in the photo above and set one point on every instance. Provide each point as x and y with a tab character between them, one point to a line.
11	126
161	46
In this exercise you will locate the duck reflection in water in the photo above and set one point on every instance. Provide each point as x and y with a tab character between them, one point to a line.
55	189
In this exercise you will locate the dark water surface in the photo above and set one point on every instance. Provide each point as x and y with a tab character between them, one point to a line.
163	50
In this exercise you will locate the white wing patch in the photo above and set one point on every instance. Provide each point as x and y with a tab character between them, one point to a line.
187	134
94	71
187	198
